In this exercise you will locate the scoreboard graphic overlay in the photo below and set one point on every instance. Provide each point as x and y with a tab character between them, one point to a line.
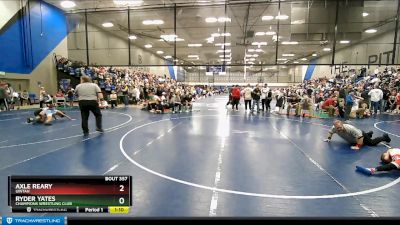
75	194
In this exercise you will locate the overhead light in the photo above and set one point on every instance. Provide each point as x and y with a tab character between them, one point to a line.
259	43
266	18
132	37
224	19
270	33
222	44
281	59
364	14
67	4
195	45
211	20
175	60
160	52
290	42
225	34
250	55
260	33
303	59
225	56
298	22
287	55
344	41
107	24
170	37
128	2
326	49
168	57
295	62
226	50
153	22
210	40
315	54
275	38
255	50
220	19
370	31
215	35
282	17
148	46
193	56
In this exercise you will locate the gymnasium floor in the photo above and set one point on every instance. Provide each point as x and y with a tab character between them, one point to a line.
211	162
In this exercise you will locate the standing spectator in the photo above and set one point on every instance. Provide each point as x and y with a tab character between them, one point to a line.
366	97
350	98
3	98
392	101
125	90
376	96
247	96
23	96
70	96
398	102
256	94
341	102
280	100
89	94
264	92
268	100
235	97
385	98
42	94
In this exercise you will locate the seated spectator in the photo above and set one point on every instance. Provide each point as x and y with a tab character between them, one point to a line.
113	100
60	94
392	101
307	104
104	104
24	97
330	105
187	102
294	102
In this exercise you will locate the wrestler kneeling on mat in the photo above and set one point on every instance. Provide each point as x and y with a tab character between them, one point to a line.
390	159
47	115
355	136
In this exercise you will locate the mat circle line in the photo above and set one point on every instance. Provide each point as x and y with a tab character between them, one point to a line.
309	197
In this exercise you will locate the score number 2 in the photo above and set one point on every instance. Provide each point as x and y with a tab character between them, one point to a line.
121	189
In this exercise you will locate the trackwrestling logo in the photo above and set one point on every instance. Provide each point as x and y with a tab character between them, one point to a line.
34	220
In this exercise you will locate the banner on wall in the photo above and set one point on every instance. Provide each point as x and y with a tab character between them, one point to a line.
65	83
215	69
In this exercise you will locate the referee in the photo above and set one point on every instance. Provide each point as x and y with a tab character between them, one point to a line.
89	94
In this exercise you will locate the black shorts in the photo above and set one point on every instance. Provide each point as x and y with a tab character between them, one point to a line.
37	112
